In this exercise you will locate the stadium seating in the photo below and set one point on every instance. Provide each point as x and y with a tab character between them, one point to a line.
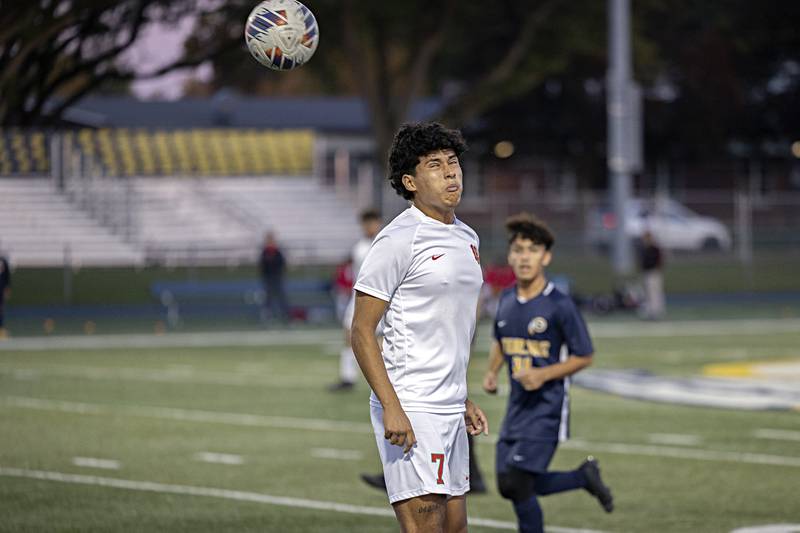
168	197
24	152
203	152
178	221
41	227
196	152
223	221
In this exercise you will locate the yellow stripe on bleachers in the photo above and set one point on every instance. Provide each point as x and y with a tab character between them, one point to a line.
203	152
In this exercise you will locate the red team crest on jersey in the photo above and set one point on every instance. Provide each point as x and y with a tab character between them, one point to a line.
475	253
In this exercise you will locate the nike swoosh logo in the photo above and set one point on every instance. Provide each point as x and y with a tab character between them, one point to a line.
518	458
501	323
435	257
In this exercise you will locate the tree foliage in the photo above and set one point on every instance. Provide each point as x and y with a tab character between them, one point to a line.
54	52
712	71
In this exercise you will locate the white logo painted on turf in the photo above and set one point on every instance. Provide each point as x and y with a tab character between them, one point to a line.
772	528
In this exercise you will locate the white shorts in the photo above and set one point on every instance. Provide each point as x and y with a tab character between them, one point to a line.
438	463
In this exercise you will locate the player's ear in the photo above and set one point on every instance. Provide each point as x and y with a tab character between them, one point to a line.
546	258
408	182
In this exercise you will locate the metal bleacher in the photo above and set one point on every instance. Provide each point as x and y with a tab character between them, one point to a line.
191	197
41	227
223	221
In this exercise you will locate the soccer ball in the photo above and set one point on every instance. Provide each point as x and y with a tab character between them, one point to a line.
281	34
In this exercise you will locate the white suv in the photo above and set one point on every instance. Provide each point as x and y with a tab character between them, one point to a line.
673	226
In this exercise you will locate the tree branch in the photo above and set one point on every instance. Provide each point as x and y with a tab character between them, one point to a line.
421	62
476	100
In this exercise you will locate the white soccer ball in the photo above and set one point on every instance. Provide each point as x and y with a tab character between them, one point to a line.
281	34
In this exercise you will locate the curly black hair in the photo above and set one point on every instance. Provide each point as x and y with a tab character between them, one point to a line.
527	226
415	140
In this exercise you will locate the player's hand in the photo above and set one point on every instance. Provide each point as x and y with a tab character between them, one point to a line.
530	378
490	382
475	419
397	428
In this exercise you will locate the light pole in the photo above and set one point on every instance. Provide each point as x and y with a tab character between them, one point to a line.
624	133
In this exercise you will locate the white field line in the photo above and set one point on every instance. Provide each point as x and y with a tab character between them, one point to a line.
684	453
332	336
192	415
333	453
182	340
254	497
91	462
771	528
315	424
777	434
165	375
676	439
220	458
694	328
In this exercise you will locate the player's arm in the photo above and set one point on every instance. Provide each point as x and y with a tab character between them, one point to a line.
368	312
475	419
496	361
578	342
533	378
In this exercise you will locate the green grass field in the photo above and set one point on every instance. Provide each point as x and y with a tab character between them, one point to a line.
154	410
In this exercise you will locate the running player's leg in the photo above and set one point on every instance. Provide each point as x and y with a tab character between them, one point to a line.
518	485
422	514
456	515
555	482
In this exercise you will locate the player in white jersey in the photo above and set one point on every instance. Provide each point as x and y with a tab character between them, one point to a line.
370	226
422	276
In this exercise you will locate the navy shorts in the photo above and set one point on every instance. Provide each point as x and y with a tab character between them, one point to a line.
531	456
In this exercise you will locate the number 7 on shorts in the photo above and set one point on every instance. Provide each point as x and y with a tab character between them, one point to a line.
438	457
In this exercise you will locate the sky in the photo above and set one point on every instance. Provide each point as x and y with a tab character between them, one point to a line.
159	45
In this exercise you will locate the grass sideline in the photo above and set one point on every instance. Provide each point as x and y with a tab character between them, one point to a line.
143	408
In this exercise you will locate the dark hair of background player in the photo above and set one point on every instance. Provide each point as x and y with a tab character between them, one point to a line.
369	214
527	226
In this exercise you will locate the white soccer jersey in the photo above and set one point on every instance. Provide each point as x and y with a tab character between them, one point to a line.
359	253
429	273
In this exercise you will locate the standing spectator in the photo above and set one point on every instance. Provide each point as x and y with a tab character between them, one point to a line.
273	266
651	263
5	291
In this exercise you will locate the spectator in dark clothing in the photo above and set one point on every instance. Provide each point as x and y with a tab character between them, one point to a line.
651	263
273	265
5	291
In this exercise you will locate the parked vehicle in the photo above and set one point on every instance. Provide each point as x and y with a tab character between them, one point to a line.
674	226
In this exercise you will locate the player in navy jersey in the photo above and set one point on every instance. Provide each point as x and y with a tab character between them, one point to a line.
542	337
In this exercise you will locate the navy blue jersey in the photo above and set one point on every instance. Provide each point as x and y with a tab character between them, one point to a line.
539	332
